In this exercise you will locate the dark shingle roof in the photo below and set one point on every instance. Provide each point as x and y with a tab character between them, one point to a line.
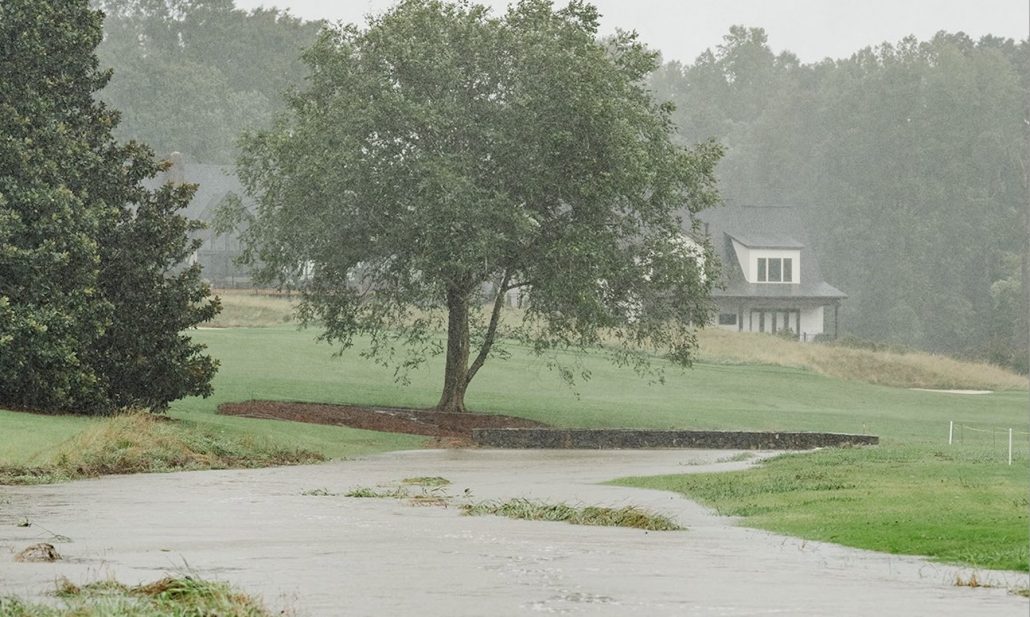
213	182
764	227
766	241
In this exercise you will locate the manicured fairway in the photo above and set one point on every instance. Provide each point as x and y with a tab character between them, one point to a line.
912	494
953	505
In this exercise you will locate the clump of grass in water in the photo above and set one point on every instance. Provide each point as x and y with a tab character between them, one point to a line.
143	443
184	595
629	516
377	493
426	481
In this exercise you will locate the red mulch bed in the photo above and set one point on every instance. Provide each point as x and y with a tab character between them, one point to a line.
455	426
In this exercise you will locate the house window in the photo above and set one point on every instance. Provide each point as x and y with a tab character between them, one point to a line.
727	319
775	270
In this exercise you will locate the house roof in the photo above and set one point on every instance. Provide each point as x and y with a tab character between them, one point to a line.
213	182
766	241
767	227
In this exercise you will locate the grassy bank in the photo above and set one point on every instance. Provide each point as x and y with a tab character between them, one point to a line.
950	504
282	363
143	443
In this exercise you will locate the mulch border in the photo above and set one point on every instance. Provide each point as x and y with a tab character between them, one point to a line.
389	419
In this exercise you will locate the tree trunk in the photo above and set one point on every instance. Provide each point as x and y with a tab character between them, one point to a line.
455	378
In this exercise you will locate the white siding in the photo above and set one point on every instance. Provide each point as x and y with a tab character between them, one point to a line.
743	258
752	256
811	322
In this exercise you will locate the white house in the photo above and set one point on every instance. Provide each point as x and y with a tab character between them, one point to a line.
770	277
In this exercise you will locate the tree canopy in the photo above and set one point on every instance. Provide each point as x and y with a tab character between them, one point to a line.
443	152
93	300
910	161
191	75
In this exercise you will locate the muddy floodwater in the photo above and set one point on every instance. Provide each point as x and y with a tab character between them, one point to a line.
289	536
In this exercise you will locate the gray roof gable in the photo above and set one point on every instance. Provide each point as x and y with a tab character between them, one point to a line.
214	183
767	227
766	241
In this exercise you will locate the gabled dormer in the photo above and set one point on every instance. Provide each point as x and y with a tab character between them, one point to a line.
768	259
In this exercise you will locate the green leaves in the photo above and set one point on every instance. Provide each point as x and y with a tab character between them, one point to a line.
92	304
444	148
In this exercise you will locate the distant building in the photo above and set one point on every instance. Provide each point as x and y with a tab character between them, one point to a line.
216	184
770	277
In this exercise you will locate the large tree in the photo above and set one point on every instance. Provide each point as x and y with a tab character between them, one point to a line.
442	149
93	300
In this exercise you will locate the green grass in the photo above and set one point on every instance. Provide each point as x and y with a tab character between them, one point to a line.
142	443
526	509
182	596
952	504
284	364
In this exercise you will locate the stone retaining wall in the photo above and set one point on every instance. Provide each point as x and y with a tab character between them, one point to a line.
601	439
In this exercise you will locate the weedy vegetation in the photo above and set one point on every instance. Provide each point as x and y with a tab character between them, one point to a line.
319	492
182	596
426	481
885	367
527	509
144	443
368	492
252	308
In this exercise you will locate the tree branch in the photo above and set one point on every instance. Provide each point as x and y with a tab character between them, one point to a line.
491	330
511	286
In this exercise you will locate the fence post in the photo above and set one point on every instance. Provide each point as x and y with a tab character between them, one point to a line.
951	431
1010	446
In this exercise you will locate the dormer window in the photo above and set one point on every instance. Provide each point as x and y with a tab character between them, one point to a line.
775	270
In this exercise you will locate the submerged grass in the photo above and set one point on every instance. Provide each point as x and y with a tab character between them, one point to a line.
526	509
426	481
182	596
950	504
144	443
368	492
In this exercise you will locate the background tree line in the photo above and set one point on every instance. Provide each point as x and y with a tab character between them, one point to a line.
911	161
910	158
192	75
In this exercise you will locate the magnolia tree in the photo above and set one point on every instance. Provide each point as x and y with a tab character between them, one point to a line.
443	156
95	302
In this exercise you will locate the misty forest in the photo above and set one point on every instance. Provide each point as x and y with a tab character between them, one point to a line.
910	157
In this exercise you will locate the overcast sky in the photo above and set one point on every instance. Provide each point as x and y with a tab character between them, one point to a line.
812	29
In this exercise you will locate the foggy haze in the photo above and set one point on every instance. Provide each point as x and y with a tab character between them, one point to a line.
811	29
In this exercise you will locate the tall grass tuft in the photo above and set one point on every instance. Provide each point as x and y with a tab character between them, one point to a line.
912	369
252	309
144	443
179	596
